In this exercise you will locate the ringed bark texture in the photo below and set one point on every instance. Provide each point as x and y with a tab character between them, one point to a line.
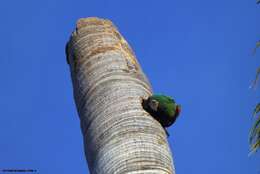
108	83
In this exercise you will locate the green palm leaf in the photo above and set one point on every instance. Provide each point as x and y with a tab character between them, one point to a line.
255	146
254	134
255	131
257	109
256	78
257	45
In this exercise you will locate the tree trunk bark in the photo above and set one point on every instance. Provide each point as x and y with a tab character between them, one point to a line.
108	83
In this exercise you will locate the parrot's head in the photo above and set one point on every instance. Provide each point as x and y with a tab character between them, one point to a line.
163	103
163	108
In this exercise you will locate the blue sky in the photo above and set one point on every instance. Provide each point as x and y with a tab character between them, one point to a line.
199	52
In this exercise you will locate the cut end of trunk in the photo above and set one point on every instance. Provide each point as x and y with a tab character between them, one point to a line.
83	22
94	26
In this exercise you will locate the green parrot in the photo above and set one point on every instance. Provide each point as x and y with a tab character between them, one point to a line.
163	109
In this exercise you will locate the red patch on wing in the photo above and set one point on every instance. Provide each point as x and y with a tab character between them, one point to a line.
178	109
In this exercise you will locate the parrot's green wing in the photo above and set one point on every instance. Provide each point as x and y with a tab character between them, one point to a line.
162	98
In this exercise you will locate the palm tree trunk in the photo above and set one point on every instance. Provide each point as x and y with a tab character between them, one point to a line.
108	82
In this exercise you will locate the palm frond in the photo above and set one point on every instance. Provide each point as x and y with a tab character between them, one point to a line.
257	109
255	146
257	45
255	134
253	85
255	131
